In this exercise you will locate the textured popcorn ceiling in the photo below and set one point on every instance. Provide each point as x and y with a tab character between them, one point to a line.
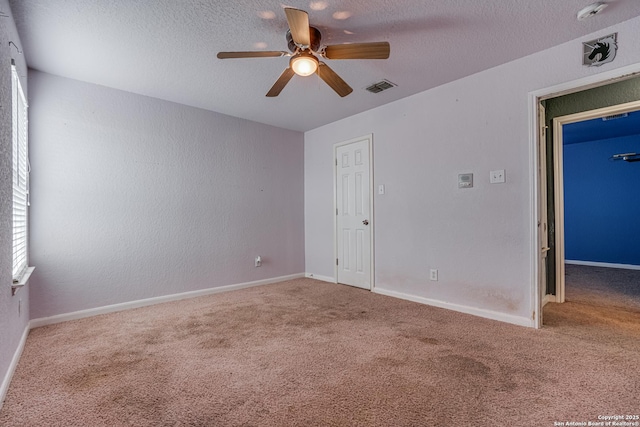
167	48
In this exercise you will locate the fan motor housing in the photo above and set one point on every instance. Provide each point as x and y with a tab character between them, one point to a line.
315	37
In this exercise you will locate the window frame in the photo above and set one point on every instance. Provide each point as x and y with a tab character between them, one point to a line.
20	178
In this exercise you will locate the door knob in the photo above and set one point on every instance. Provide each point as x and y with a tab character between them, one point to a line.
365	222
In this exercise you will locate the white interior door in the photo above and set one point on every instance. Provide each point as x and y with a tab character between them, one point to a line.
543	235
353	213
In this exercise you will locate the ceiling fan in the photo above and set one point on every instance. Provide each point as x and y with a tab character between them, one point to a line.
304	44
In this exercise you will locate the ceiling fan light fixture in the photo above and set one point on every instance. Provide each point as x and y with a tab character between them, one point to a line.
304	64
304	43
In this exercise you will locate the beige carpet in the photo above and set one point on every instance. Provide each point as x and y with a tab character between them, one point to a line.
307	353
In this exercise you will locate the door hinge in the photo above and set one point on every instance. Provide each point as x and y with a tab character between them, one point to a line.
336	161
336	261
336	211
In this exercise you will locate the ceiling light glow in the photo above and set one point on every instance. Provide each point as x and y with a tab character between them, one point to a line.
318	5
341	16
304	64
267	14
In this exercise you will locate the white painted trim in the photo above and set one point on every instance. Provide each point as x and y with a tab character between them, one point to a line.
369	138
24	278
548	298
157	300
6	381
558	185
603	264
589	82
488	314
534	197
320	277
372	215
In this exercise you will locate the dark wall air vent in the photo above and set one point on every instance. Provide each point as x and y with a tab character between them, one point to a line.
615	116
380	86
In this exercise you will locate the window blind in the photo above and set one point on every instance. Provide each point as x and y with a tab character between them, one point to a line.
20	177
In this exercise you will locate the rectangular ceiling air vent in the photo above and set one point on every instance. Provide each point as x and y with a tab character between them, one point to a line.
380	86
615	116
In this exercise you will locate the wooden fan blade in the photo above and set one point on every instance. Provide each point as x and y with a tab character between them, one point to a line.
298	25
280	83
332	79
256	54
375	50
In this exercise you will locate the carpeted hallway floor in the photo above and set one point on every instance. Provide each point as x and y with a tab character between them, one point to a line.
307	353
602	286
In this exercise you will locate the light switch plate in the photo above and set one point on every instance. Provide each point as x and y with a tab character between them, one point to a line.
497	176
381	189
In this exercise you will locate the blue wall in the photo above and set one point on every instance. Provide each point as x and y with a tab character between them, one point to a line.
602	202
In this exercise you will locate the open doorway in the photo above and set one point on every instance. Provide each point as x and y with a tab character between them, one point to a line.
580	109
596	211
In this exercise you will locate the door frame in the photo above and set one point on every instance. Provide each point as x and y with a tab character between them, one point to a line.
558	171
372	222
543	214
536	193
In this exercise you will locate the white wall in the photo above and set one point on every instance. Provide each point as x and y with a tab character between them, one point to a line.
134	198
12	323
479	239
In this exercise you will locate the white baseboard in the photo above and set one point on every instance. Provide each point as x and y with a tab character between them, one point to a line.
603	264
548	298
35	323
320	277
489	314
4	388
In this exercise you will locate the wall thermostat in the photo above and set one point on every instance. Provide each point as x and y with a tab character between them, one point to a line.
465	180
